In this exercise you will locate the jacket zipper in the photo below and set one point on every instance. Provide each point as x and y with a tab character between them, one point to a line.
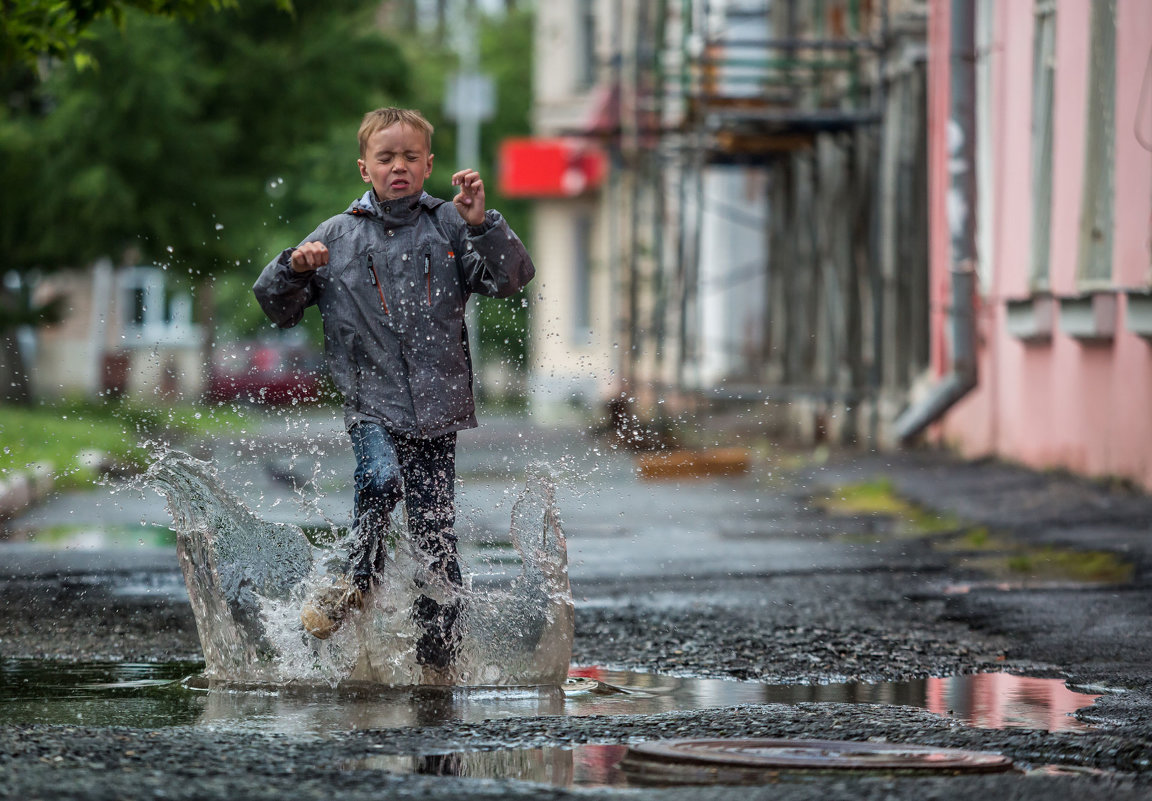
376	283
428	275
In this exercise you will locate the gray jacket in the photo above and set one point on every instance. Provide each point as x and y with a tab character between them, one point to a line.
392	299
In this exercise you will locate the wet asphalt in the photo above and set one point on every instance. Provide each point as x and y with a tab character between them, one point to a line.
747	577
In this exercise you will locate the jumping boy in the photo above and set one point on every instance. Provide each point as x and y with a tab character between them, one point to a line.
391	276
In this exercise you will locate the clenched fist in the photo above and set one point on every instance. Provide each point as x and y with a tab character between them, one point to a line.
309	256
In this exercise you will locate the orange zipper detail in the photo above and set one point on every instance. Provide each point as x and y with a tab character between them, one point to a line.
376	282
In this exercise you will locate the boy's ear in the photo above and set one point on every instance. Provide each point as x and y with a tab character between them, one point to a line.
429	170
364	171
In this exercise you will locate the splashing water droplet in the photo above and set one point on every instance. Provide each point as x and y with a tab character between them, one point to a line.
247	579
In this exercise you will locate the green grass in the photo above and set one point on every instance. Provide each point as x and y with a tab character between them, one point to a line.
995	554
1051	562
61	435
66	536
879	498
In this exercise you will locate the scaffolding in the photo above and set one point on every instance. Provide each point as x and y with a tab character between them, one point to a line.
798	90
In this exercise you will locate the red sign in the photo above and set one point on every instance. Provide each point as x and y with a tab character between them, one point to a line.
550	167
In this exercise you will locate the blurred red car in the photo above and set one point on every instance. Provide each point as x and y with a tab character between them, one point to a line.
264	372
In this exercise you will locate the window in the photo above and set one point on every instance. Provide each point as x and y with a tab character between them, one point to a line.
1095	253
1043	81
586	54
145	305
149	312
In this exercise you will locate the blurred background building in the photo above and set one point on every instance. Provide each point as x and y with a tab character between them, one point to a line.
850	220
1063	233
758	246
869	222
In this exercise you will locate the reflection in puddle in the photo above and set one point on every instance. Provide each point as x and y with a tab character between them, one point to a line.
580	766
156	695
577	766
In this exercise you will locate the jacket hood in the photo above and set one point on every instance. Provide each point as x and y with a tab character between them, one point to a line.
396	211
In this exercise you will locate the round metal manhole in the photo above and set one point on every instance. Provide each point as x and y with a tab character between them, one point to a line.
755	761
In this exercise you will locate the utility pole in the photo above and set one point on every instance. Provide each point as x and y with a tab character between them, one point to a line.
469	100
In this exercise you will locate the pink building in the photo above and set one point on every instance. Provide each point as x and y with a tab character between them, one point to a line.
1063	165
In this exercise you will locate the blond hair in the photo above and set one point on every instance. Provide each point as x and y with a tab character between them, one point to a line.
383	118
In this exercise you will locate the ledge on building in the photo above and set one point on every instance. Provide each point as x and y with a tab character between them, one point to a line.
1032	319
1089	318
1139	316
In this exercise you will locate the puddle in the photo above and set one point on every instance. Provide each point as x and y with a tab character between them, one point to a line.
97	694
160	695
577	766
248	577
573	766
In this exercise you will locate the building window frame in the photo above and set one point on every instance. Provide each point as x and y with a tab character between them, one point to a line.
1097	218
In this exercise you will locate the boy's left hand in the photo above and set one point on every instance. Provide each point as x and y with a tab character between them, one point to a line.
469	201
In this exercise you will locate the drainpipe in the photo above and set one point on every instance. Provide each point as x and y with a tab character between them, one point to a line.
962	226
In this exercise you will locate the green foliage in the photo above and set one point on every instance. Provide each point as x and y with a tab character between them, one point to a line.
207	142
60	435
175	144
32	29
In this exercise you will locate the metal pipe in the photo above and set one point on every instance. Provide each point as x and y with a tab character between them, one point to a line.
876	268
962	226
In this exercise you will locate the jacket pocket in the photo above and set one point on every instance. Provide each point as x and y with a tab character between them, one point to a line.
442	289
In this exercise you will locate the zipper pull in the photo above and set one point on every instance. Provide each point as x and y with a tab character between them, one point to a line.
372	270
428	274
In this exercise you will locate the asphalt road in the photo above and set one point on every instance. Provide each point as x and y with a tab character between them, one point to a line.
743	578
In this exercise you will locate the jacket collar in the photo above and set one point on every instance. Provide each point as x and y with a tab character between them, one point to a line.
393	212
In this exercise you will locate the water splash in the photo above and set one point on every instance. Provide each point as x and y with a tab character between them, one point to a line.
247	579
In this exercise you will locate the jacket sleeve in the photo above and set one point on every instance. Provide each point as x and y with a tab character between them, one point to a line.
495	262
282	292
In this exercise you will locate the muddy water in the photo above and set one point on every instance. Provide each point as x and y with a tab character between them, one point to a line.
159	695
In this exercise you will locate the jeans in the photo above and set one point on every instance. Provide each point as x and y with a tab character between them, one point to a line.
422	473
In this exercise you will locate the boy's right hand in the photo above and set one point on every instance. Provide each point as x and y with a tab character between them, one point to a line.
309	256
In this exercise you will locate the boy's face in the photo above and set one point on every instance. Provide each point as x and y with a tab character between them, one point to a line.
396	162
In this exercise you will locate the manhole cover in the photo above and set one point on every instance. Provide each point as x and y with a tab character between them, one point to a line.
752	761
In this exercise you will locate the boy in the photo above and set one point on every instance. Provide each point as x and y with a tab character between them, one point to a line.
391	276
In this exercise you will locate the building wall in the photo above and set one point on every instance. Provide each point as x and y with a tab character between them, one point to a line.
96	348
571	361
733	274
1062	402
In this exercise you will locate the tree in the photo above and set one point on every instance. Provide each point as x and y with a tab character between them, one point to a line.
34	29
188	140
